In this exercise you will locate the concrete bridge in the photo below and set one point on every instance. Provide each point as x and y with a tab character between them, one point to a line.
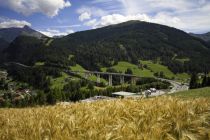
109	74
90	73
176	85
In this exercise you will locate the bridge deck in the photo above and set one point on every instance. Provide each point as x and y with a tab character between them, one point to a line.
103	73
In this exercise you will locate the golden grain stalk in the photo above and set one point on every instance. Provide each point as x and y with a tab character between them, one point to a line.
166	118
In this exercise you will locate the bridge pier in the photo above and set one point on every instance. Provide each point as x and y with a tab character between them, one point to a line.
133	80
122	81
110	80
98	78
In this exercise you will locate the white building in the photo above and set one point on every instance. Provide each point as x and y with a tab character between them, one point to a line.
123	94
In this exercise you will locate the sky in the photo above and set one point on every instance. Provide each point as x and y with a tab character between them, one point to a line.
62	17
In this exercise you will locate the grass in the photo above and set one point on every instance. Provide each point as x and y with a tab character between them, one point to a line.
94	78
165	118
39	63
49	42
183	77
77	67
195	93
59	82
156	67
71	57
149	72
123	66
182	60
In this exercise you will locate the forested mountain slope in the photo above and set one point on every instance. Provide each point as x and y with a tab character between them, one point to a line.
3	44
205	37
130	41
134	40
28	50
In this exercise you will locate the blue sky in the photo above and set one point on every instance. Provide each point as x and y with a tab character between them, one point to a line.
61	17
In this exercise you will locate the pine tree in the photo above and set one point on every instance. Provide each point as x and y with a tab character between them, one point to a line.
204	82
193	81
51	98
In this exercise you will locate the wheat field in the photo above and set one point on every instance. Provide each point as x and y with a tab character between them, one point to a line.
162	118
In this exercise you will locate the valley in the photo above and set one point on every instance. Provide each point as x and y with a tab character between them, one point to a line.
73	67
104	70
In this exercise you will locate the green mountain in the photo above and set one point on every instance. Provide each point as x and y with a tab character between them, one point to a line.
3	44
104	47
205	37
9	34
134	40
28	50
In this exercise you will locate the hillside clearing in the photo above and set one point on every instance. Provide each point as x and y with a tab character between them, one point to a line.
77	67
156	67
149	71
39	64
123	66
59	82
183	60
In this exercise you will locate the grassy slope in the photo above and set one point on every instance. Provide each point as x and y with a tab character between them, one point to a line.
158	68
122	67
39	63
80	68
152	68
168	73
195	93
166	118
77	68
60	81
183	60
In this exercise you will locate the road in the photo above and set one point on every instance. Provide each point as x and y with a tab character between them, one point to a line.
176	87
19	64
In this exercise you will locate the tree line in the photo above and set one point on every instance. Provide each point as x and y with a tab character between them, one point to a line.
199	81
73	91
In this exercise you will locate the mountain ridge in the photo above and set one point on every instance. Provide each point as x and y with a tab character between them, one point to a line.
9	34
205	36
130	41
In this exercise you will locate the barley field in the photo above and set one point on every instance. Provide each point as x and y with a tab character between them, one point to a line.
162	118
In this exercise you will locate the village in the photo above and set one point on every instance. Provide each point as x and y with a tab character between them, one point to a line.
16	91
11	90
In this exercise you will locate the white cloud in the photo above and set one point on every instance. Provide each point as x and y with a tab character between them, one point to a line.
118	18
93	23
93	11
8	23
85	16
28	7
188	15
53	32
155	6
66	26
